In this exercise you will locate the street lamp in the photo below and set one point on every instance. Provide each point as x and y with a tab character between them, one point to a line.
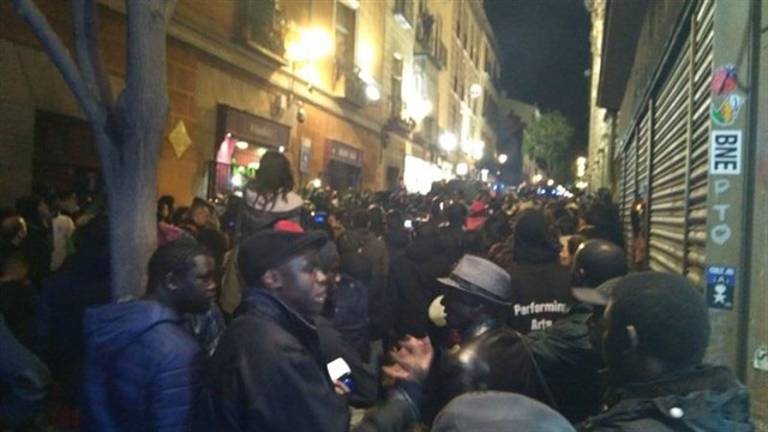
372	93
502	158
581	166
447	141
462	169
309	45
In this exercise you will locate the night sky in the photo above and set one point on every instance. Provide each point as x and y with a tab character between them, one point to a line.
544	48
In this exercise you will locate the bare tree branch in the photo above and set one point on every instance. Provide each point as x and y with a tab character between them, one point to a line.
87	49
60	56
170	5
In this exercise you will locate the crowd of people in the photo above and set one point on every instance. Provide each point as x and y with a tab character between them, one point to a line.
321	310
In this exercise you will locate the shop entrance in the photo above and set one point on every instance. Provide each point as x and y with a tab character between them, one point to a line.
242	140
342	176
345	166
65	156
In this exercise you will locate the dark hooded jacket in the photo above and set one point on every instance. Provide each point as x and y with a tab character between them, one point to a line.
81	282
413	284
569	364
142	369
707	398
541	287
269	374
253	214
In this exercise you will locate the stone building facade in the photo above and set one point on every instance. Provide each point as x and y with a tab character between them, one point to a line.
311	78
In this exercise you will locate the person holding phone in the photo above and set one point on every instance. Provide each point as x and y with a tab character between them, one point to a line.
269	372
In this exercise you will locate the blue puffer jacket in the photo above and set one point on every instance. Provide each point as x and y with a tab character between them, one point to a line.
142	369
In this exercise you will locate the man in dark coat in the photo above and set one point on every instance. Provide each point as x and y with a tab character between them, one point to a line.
541	286
142	366
359	240
413	281
269	372
81	282
568	353
656	332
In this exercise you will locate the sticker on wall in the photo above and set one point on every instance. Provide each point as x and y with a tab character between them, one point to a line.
180	139
728	111
721	281
760	360
724	80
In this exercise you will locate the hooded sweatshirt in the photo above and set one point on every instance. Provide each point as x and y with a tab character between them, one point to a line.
141	368
256	214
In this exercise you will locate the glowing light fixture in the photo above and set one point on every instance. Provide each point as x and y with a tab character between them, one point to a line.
237	180
478	148
242	145
309	45
372	93
317	183
475	90
502	158
419	108
462	169
550	182
447	141
536	178
281	149
581	166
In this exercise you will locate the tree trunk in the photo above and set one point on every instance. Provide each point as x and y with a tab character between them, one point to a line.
133	230
132	185
128	134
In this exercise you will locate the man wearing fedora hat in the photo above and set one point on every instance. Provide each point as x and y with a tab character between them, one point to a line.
477	302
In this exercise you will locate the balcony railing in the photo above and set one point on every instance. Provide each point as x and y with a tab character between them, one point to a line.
352	86
428	41
404	13
265	28
428	133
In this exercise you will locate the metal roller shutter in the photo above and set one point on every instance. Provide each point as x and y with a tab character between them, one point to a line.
643	155
667	204
629	189
670	139
696	233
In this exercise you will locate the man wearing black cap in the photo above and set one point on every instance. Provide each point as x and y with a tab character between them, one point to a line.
268	372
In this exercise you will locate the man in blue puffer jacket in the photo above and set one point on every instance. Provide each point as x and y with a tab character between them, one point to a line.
142	367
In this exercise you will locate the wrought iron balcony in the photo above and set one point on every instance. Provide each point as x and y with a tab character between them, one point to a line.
404	13
265	28
428	41
352	87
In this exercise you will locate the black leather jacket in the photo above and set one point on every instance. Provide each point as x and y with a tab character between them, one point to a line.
569	364
268	374
708	398
492	358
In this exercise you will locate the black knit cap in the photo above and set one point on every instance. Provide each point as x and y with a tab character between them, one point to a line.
268	249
